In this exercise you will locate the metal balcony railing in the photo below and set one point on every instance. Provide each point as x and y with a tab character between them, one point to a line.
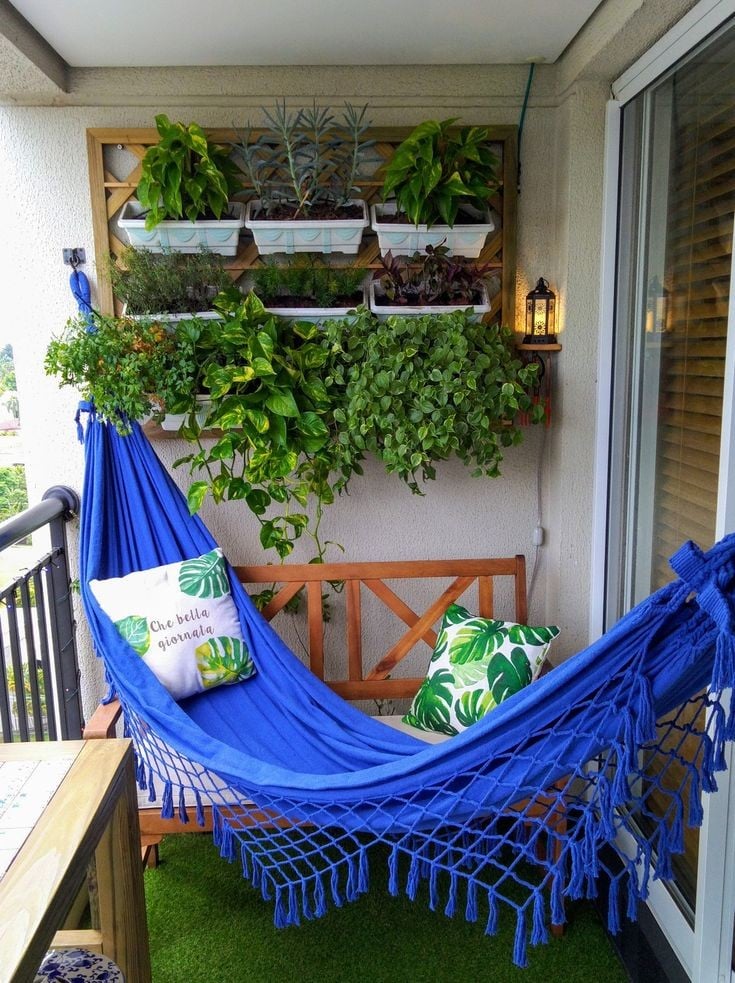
39	673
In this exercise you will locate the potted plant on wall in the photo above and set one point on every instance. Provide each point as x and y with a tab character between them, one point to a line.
294	408
275	449
184	194
168	286
130	369
415	391
307	288
304	171
440	178
430	283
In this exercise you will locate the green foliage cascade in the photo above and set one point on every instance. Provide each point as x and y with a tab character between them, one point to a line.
418	390
275	420
295	407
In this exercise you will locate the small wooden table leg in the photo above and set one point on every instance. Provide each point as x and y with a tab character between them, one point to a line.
120	890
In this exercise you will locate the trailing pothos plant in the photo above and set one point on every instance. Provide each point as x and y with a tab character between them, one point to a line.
277	446
438	168
418	390
184	175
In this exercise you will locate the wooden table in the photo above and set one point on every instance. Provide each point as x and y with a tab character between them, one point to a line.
90	812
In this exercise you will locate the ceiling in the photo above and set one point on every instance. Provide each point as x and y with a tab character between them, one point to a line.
111	33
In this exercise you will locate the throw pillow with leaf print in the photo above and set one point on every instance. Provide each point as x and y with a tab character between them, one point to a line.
476	664
181	619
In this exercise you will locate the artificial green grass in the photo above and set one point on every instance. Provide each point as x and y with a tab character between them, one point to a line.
208	925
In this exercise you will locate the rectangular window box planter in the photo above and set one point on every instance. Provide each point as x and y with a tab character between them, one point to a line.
181	236
165	318
404	239
306	235
382	311
316	314
172	421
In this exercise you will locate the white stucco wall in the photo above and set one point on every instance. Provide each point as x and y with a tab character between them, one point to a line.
45	207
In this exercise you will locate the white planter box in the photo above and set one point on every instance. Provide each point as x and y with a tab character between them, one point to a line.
405	239
173	318
172	421
181	236
306	235
316	314
382	311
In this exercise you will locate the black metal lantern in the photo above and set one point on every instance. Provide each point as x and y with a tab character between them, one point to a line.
540	315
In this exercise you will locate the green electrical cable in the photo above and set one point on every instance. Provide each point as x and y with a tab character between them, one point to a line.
522	120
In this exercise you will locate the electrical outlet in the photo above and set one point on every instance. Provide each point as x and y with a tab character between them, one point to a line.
74	256
538	536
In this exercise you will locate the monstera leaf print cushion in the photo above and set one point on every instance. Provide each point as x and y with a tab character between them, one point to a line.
181	620
477	663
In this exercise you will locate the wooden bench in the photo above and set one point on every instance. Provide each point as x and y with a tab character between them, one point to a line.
375	682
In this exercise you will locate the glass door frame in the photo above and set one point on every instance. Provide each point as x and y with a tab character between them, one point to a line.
705	950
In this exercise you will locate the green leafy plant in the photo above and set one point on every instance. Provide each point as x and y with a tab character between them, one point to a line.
167	283
417	390
268	397
307	281
434	277
7	369
307	161
13	493
127	368
184	175
294	407
438	168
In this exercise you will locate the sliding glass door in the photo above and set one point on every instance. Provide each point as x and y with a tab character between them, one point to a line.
673	284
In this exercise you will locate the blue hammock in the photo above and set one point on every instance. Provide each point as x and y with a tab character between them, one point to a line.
302	784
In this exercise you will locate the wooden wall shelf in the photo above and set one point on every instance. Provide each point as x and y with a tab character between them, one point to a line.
114	171
538	348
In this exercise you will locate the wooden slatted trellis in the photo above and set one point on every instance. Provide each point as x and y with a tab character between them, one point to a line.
114	171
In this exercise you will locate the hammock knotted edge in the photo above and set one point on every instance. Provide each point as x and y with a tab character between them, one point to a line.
523	809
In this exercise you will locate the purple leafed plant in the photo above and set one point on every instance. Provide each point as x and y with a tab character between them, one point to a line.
434	277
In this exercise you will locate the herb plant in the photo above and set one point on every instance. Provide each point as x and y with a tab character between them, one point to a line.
417	390
432	278
307	160
269	399
437	169
184	175
167	283
307	278
127	368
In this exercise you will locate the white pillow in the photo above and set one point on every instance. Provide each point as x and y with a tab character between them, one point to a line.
181	619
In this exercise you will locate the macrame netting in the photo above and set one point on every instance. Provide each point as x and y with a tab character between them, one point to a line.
570	778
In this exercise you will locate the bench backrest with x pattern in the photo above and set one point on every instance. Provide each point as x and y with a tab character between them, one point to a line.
374	683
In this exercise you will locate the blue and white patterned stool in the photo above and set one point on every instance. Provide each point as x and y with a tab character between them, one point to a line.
78	966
